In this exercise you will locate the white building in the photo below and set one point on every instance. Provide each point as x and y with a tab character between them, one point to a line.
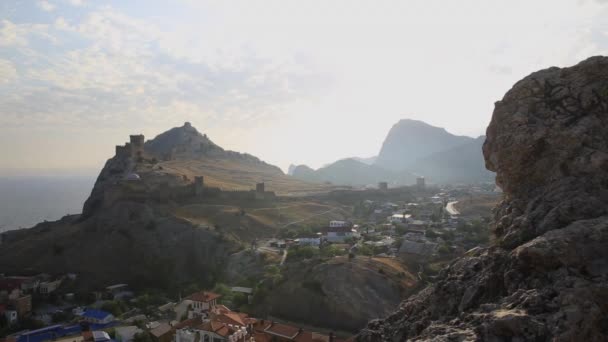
340	234
48	287
203	302
399	218
126	334
339	224
11	316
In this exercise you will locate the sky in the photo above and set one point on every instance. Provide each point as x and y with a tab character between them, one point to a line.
303	82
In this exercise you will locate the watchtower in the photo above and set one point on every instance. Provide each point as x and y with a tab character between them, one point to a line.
137	145
383	186
420	182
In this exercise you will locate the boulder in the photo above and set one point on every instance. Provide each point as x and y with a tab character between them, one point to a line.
546	277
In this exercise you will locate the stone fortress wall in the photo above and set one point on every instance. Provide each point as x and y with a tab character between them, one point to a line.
132	188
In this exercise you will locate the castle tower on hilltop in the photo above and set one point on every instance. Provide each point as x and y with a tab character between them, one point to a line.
133	149
420	182
137	145
383	186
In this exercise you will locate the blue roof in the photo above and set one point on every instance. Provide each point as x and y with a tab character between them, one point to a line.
96	314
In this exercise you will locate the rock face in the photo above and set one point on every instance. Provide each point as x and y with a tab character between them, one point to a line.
546	278
410	140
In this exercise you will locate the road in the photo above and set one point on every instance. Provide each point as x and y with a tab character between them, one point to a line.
451	209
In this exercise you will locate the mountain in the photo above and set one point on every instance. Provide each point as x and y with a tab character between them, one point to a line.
460	164
132	229
411	140
180	154
352	172
291	169
368	160
544	278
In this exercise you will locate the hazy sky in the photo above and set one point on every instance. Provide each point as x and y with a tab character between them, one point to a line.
288	81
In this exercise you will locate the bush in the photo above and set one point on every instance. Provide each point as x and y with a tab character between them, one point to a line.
332	251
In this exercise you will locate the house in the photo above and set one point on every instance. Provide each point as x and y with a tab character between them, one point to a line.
222	325
97	316
399	218
22	304
339	224
101	336
48	287
268	331
126	334
308	241
119	291
162	333
203	301
11	316
338	231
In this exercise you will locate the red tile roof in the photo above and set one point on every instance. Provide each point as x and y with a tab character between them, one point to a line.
161	330
188	323
231	318
283	330
203	296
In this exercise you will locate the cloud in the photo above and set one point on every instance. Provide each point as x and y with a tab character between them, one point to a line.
501	69
46	6
18	35
109	68
8	72
76	2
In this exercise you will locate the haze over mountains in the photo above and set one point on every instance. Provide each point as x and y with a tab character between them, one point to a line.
412	148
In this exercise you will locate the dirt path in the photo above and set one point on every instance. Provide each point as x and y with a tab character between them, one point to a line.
451	209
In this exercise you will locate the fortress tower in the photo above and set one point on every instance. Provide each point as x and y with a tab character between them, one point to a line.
420	182
383	186
137	145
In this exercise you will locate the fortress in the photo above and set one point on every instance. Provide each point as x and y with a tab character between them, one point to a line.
133	149
132	186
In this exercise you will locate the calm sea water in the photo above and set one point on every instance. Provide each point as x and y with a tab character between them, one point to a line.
26	201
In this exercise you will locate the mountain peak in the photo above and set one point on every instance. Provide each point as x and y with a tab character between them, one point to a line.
180	141
409	140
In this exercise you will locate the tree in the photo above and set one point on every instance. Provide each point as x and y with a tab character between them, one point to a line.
143	336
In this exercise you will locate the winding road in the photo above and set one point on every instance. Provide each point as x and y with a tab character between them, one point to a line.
451	209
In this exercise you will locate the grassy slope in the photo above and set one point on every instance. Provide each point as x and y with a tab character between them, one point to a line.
241	175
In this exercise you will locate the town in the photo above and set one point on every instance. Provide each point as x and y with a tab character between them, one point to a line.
423	234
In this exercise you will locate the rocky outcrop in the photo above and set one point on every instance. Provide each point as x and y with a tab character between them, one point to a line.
546	277
411	140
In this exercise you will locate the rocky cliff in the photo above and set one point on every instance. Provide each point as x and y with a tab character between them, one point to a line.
546	277
411	140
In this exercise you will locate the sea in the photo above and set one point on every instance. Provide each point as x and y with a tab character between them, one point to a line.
28	200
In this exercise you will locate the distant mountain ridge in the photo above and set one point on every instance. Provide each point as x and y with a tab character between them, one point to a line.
412	140
351	171
412	148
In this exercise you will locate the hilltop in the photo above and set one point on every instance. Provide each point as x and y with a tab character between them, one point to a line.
411	140
138	224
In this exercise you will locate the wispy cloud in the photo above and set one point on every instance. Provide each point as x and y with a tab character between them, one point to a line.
46	6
